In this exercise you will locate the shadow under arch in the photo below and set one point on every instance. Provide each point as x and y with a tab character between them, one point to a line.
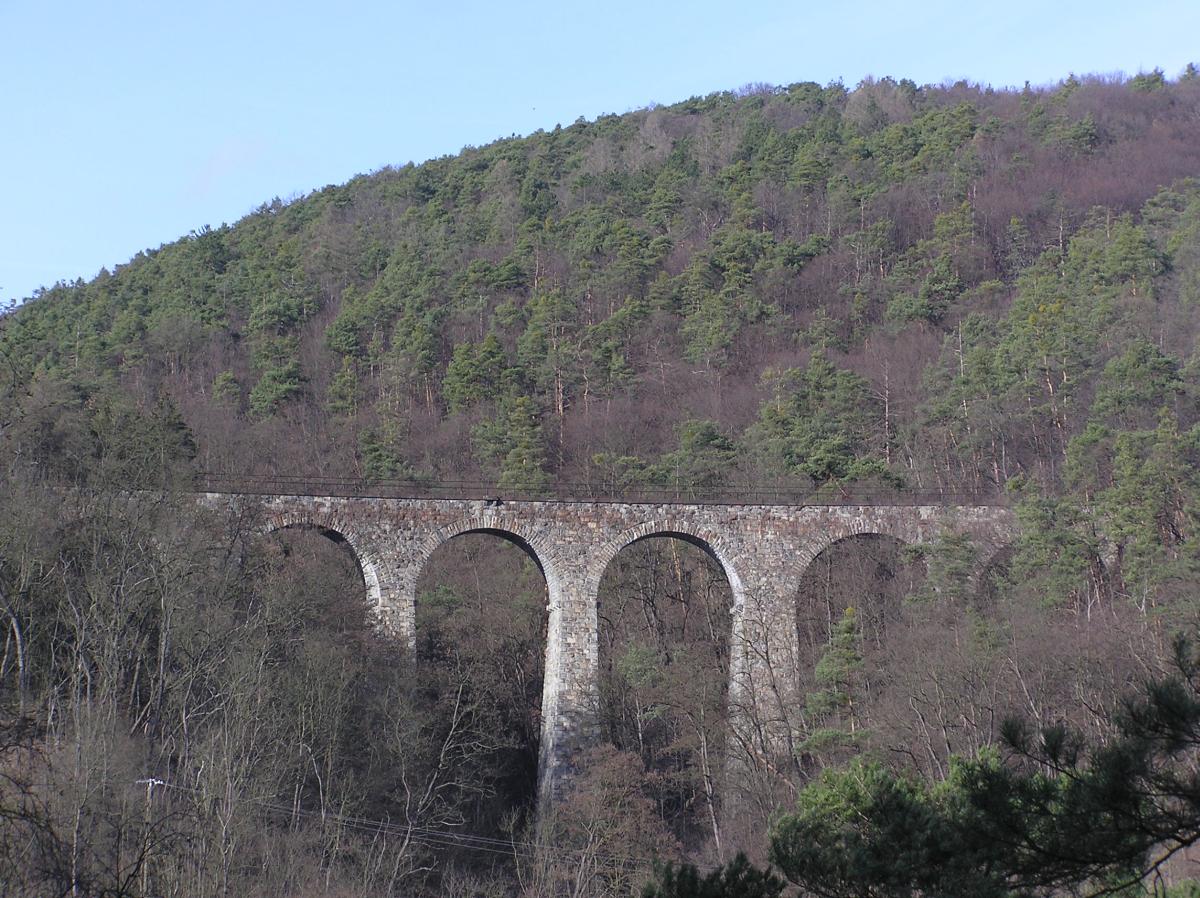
336	532
709	543
502	527
804	559
868	571
993	575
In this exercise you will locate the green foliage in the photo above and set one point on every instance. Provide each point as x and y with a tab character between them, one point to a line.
718	292
703	460
1053	817
1135	384
513	442
830	710
381	450
1148	81
866	830
823	422
950	564
1057	551
736	879
277	384
1152	507
342	395
225	388
930	141
1035	370
906	307
839	665
412	362
1130	255
278	313
640	666
407	284
476	373
547	350
1064	133
619	473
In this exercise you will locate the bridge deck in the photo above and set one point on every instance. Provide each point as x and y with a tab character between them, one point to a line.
785	495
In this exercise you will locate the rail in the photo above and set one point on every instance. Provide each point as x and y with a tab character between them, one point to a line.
725	494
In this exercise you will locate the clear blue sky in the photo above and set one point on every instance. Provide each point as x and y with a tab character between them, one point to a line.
127	124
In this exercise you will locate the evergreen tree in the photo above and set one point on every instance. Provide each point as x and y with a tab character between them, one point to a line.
830	710
523	468
737	879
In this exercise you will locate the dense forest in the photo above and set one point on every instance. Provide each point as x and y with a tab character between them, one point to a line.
899	289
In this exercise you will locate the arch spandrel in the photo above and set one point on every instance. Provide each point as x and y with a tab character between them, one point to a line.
329	525
910	530
708	541
529	540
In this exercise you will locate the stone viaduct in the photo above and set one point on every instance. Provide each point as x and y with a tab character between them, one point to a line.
763	550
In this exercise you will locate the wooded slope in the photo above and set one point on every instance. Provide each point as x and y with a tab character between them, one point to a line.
919	288
934	286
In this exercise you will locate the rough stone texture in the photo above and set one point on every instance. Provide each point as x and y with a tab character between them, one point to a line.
763	549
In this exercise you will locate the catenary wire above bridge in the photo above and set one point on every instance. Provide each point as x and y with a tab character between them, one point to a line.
724	494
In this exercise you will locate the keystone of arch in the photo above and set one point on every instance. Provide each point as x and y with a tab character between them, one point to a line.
368	560
712	544
532	540
857	526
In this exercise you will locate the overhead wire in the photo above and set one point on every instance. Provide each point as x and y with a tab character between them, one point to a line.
449	838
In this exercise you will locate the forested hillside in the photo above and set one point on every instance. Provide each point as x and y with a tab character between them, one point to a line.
927	282
892	288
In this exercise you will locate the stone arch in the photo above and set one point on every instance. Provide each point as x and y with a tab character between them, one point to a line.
884	534
712	544
707	541
536	543
332	527
868	571
859	526
994	554
531	541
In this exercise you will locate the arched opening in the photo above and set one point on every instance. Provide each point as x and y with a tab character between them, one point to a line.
664	610
995	580
318	577
850	604
869	572
326	688
481	619
323	535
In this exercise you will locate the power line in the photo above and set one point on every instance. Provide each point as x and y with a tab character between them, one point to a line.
725	494
447	838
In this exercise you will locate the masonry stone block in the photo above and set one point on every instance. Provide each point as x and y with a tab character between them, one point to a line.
763	550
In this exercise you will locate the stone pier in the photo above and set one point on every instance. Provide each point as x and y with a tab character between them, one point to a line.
763	550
